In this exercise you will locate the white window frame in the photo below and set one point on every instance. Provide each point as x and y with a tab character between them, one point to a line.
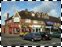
33	14
34	21
27	21
16	19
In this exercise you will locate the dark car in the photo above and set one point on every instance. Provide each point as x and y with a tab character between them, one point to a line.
32	36
56	34
45	36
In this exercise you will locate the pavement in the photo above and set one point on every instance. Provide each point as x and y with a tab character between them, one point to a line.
16	40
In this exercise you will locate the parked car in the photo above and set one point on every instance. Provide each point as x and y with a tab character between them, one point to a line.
45	36
32	36
56	34
23	34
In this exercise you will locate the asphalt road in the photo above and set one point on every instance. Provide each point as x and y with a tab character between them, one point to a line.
16	40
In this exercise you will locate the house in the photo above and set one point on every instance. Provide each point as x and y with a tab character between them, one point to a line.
30	21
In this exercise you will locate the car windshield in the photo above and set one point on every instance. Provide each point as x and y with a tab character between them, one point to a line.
37	34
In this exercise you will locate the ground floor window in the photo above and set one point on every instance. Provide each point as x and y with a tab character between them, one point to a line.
47	29
55	30
52	29
36	29
26	29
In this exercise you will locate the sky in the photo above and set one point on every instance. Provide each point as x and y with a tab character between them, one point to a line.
53	8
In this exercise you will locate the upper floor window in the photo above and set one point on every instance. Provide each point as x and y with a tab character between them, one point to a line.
34	21
38	15
16	19
33	14
45	16
27	20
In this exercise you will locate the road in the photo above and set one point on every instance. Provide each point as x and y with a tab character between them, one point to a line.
16	40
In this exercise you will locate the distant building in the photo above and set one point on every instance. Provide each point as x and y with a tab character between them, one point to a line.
33	22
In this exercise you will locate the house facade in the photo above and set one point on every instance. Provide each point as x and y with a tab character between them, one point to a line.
29	21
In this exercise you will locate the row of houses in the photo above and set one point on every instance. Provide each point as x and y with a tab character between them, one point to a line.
30	21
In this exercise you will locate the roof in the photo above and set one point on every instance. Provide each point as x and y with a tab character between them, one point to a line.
9	18
27	15
54	19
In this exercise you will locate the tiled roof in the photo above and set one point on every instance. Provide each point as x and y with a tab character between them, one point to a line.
27	15
9	18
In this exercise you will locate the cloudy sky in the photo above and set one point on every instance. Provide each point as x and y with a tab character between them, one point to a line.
50	7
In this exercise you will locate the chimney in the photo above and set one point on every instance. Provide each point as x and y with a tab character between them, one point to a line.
7	15
26	9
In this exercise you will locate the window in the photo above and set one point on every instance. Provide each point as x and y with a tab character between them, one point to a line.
33	14
16	19
34	21
27	20
38	15
45	16
47	29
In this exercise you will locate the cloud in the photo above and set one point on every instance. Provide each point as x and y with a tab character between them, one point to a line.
44	7
47	7
12	10
53	13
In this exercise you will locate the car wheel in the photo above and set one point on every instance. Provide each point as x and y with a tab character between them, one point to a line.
50	38
23	38
32	39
